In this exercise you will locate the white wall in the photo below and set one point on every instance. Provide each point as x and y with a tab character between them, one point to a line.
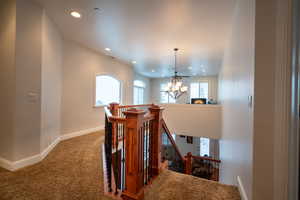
147	94
52	54
156	82
7	76
236	85
80	66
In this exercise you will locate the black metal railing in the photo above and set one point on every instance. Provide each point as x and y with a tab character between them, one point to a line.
205	167
170	153
108	151
146	131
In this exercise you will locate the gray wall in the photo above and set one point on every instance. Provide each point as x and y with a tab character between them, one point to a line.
236	84
80	67
7	76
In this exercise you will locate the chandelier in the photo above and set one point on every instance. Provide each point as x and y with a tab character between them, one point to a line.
175	87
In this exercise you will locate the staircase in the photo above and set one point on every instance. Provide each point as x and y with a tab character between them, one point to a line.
138	146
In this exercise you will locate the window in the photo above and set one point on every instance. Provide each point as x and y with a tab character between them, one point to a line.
204	146
199	90
108	90
164	97
138	92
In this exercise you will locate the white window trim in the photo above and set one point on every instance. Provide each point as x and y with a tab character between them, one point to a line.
94	89
202	81
143	88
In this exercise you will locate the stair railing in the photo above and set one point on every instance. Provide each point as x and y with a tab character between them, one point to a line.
203	167
132	148
199	166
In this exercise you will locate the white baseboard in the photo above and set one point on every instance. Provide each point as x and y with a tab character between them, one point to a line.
13	166
26	162
242	189
50	148
6	164
80	133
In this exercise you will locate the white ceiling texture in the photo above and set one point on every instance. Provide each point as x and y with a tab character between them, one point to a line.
147	31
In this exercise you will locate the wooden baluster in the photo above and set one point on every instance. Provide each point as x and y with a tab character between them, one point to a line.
114	108
188	163
156	127
134	177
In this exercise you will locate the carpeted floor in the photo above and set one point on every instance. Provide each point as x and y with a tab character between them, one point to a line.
73	171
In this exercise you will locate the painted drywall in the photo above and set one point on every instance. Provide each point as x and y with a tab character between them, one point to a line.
235	87
264	102
185	147
156	82
52	54
80	67
193	120
28	79
147	91
7	76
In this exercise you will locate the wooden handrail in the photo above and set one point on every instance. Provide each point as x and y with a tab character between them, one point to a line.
136	106
112	118
171	139
206	158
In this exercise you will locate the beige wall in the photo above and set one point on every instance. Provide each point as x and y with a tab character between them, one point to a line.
194	120
213	88
52	54
28	79
236	85
7	76
80	66
31	62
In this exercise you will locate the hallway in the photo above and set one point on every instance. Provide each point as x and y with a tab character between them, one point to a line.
73	170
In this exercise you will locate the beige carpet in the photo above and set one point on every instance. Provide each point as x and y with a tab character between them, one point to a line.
73	170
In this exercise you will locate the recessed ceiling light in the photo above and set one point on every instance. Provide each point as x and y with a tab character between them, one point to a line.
107	49
75	14
152	70
190	67
133	62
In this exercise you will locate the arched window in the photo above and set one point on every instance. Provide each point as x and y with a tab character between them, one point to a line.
108	90
138	92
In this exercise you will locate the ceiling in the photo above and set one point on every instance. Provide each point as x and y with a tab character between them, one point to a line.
146	31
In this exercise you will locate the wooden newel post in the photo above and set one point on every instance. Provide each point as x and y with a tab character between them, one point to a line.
134	155
156	139
188	163
114	109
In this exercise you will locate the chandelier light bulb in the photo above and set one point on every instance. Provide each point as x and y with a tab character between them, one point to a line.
175	87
